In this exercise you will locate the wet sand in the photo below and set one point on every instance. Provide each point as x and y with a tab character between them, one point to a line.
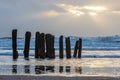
23	77
57	69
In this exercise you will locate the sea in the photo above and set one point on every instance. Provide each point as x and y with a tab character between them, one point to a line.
100	57
108	43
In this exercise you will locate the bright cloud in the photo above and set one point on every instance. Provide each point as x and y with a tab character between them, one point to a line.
43	14
92	13
50	13
90	10
71	9
95	8
116	12
98	17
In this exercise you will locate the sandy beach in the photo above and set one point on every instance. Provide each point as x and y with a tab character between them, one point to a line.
62	69
23	77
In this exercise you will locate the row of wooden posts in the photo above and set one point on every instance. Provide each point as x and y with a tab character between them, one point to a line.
44	46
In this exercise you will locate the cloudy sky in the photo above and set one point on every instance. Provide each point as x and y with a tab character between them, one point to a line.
67	17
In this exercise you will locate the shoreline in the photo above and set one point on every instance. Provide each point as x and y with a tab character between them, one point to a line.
85	54
55	68
29	77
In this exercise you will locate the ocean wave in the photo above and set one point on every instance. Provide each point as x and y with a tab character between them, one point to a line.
89	43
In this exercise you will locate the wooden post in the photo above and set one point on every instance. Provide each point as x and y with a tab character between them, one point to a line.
80	48
51	47
27	45
61	47
42	45
47	38
14	44
76	49
68	48
37	44
50	51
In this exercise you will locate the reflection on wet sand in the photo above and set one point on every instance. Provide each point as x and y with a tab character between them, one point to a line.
27	69
61	69
41	69
78	70
68	69
14	69
50	69
58	70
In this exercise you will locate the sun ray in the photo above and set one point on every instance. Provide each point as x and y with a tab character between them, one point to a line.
92	13
83	10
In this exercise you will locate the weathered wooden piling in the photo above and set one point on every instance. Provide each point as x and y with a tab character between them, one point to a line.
61	47
80	48
37	44
52	47
14	44
76	49
68	48
47	39
50	51
27	45
42	46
